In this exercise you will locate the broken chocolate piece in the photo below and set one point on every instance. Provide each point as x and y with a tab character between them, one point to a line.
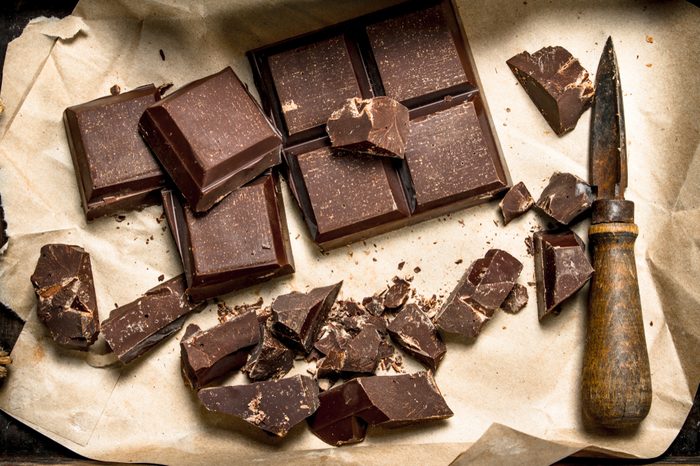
297	317
270	359
207	355
65	288
274	406
374	305
557	84
357	355
516	299
481	290
376	126
413	331
211	137
134	328
397	294
565	198
345	411
561	268
516	202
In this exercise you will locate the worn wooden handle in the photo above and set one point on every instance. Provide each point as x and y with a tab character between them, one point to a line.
616	385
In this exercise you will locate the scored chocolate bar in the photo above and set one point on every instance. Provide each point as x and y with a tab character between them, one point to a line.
416	54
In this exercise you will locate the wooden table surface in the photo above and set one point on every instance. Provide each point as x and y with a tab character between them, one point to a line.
19	443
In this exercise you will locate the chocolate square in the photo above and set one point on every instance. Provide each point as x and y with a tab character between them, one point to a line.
114	168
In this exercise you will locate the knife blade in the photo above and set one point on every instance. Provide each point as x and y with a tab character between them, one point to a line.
616	381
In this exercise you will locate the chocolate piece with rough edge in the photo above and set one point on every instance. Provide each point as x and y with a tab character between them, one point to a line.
376	126
211	137
565	198
374	305
397	294
516	300
516	202
114	168
270	359
274	406
414	332
481	290
357	355
557	84
346	410
240	242
416	55
65	289
3	228
297	317
133	329
561	269
207	355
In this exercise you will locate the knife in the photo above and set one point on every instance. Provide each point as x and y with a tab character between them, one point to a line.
616	381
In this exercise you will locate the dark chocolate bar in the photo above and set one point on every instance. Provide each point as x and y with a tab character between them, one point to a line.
241	241
415	333
134	328
207	355
211	137
65	288
565	198
114	168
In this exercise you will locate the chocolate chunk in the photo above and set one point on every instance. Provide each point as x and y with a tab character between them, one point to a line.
350	308
312	81
416	54
114	168
376	126
211	137
357	355
297	317
374	305
566	198
270	359
561	269
345	411
135	328
331	338
481	290
557	84
516	299
207	355
65	288
516	202
413	331
3	228
241	241
274	406
355	324
397	294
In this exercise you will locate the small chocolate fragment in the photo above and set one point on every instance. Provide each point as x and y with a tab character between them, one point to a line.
357	355
516	202
134	328
65	288
376	126
481	290
374	305
114	168
345	411
297	317
413	331
565	198
207	355
3	228
270	359
211	137
274	406
397	294
516	299
561	268
557	84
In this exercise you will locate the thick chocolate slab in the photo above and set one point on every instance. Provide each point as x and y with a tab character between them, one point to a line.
211	137
243	240
65	289
114	168
133	329
274	406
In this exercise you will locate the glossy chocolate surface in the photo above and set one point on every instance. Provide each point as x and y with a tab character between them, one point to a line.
565	198
270	359
243	240
415	333
516	202
114	168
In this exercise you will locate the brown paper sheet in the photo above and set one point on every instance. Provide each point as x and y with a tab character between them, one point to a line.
514	392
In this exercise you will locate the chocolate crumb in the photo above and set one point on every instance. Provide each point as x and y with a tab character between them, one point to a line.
529	246
161	277
401	264
163	88
416	270
458	261
162	54
650	39
120	218
115	90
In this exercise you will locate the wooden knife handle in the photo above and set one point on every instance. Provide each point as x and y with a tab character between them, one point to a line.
616	385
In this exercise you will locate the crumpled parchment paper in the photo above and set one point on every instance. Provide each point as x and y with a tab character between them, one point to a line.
514	391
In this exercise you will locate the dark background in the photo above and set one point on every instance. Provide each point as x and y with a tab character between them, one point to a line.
19	443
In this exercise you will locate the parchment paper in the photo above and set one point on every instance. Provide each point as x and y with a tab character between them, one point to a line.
515	391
